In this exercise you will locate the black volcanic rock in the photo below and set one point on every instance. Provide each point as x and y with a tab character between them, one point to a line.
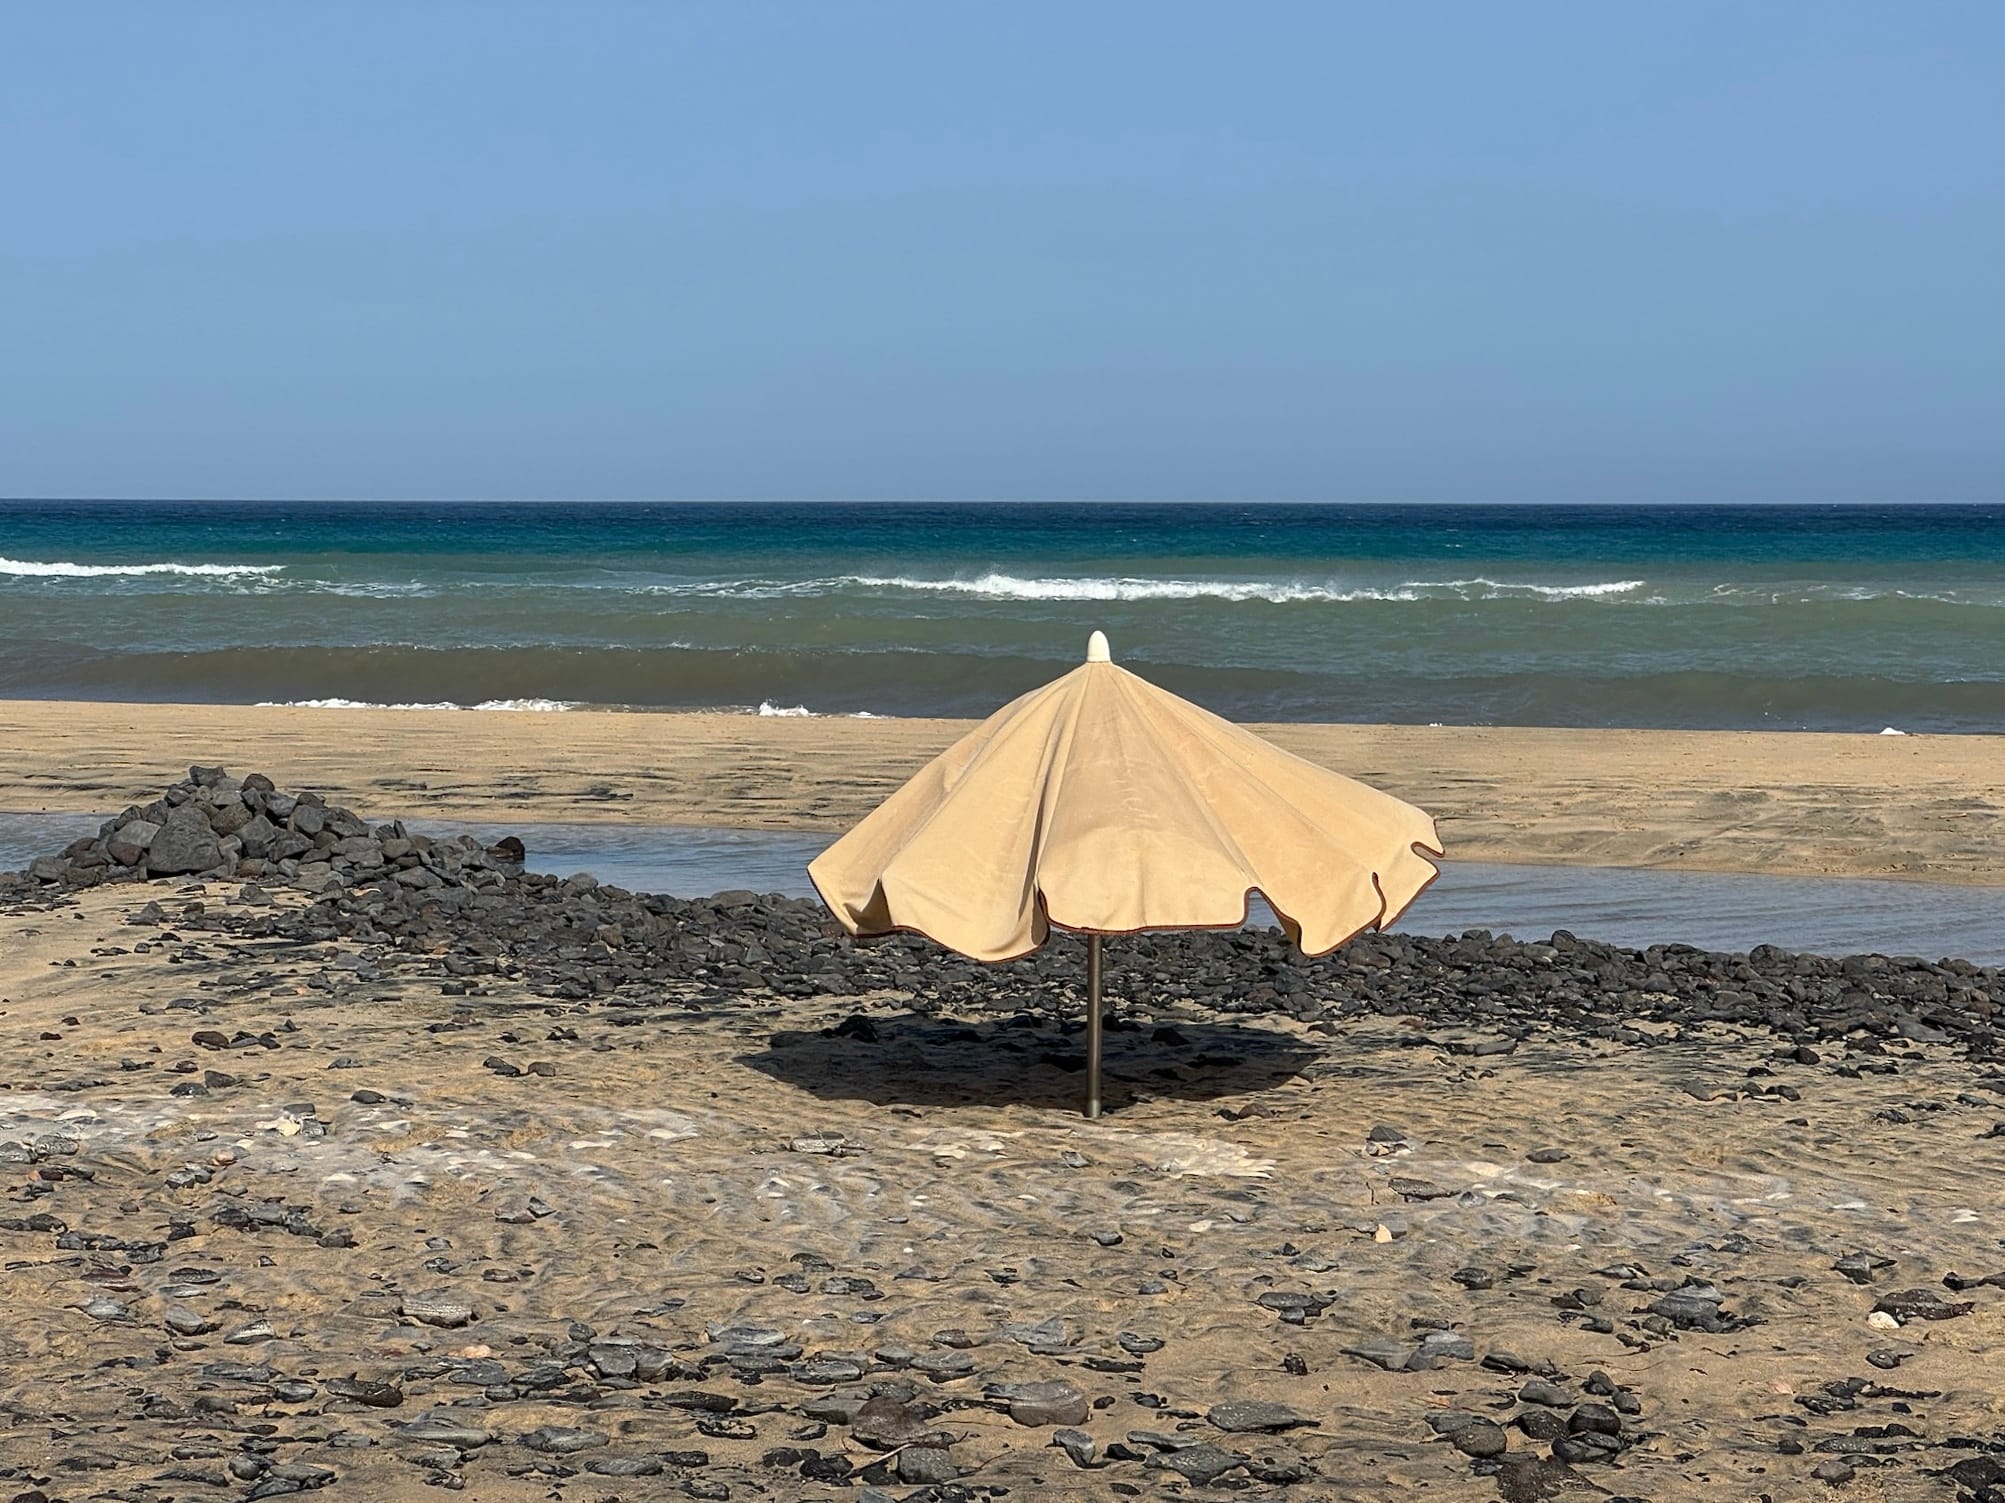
459	911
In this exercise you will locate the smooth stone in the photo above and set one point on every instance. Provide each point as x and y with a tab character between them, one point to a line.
1076	1444
625	1464
1448	1344
363	1391
1920	1304
751	1339
1202	1464
922	1465
129	844
1448	1421
1033	1404
817	1371
886	1424
438	1308
444	1427
1383	1352
1480	1439
1692	1311
562	1440
1586	1445
1541	1424
1595	1418
941	1366
1862	1268
184	843
1253	1415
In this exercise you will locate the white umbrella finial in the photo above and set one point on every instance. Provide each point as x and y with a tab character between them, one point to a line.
1096	648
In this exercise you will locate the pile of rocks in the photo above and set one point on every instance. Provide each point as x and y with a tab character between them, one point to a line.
212	825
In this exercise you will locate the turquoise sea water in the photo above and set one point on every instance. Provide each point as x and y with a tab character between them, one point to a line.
1841	618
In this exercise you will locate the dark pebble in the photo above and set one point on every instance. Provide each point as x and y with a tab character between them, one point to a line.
1481	1439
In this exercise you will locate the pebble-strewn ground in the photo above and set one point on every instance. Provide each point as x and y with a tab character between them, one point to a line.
283	1216
543	1190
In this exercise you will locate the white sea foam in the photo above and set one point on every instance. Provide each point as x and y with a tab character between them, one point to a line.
1502	589
999	586
1820	594
62	569
1013	587
337	703
730	589
371	589
1275	591
784	712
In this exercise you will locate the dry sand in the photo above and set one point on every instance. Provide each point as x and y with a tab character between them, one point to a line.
654	1186
1923	807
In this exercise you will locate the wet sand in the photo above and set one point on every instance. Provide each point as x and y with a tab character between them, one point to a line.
1917	807
268	1168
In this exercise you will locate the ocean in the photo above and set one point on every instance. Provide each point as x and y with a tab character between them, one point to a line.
1785	618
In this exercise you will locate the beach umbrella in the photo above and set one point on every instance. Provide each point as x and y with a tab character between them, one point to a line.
1104	805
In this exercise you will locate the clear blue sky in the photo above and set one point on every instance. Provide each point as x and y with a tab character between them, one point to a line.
1580	251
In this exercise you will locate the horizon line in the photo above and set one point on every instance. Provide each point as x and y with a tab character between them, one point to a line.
951	501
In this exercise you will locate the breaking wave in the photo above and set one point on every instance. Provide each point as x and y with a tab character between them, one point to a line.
62	569
770	711
1499	589
1000	589
1278	592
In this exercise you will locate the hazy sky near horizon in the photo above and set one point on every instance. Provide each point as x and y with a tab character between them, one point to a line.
1355	252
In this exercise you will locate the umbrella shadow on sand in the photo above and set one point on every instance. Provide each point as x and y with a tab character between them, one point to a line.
910	1059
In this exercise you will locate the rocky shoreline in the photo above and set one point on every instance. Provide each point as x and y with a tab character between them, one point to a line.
702	1199
463	911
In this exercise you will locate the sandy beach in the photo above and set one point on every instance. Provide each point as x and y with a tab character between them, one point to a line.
1919	807
576	1196
383	1167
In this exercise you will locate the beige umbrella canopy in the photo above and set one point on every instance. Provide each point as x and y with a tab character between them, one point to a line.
1105	805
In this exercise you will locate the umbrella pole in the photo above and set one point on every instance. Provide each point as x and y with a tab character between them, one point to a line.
1093	1025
